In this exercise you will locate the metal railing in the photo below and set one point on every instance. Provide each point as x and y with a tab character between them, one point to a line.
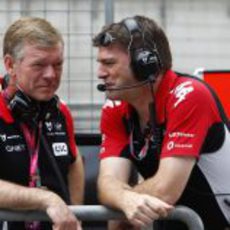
100	213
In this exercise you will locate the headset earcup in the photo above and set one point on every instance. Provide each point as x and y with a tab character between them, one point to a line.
23	108
26	109
145	64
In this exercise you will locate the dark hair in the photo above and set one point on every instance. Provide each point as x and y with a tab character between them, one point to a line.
152	36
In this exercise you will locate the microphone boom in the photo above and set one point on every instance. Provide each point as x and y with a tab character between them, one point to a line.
103	88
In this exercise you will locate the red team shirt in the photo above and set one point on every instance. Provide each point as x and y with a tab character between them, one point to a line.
187	121
191	124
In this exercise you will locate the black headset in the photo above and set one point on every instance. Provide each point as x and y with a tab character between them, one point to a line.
145	61
5	82
26	109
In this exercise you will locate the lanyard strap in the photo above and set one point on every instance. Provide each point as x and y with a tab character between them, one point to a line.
33	143
33	147
144	149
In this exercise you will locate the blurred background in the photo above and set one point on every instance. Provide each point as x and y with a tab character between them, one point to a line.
198	31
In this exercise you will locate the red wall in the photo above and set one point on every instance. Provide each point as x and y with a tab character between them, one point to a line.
220	82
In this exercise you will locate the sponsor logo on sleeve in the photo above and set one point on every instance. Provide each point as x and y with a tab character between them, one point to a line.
173	145
181	91
111	104
181	134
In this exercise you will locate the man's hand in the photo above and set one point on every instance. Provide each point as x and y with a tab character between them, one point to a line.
61	215
141	209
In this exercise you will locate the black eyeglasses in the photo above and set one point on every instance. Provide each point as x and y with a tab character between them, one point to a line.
106	39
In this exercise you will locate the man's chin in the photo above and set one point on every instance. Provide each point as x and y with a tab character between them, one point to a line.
42	98
112	96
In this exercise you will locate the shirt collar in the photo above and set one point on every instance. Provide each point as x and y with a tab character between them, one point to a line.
5	111
164	88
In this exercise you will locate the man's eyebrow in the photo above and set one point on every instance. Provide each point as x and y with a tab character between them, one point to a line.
105	59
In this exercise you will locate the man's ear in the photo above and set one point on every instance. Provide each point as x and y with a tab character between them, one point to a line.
9	64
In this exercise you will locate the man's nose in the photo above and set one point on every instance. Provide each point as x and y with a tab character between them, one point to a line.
101	72
49	72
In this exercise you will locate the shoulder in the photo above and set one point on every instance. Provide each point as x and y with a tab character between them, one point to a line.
63	106
115	108
191	102
5	113
64	109
66	113
114	105
190	91
114	113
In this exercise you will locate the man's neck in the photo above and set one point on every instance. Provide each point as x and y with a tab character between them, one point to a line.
141	105
145	97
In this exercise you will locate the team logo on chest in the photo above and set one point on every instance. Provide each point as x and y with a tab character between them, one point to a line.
3	137
60	149
49	126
